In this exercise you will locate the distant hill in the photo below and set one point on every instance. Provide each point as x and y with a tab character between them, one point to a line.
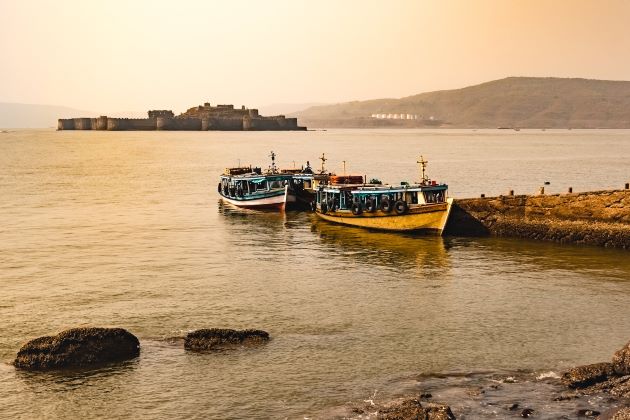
284	109
525	102
14	115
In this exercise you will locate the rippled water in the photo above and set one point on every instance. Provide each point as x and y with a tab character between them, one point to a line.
126	229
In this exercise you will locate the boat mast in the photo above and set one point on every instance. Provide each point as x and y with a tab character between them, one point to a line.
272	168
423	166
323	159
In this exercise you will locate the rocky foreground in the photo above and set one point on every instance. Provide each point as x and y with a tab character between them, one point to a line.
600	390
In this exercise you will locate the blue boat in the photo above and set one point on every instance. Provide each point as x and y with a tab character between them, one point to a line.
249	187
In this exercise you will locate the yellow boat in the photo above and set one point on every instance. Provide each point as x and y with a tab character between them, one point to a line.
423	206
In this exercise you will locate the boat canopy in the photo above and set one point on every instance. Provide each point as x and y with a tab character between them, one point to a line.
381	189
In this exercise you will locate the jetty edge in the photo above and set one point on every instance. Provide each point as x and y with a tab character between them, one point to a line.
600	218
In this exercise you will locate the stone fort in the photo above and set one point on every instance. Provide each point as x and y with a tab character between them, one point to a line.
200	118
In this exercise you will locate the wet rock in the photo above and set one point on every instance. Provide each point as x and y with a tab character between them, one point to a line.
621	360
584	376
622	413
412	409
588	413
78	348
621	387
217	338
475	391
527	412
566	397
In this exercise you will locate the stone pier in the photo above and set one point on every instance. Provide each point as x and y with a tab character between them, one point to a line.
599	218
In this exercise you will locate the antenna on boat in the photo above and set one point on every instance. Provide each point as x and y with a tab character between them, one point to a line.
344	168
239	163
272	168
323	159
423	167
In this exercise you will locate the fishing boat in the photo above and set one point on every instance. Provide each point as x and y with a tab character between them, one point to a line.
251	188
422	206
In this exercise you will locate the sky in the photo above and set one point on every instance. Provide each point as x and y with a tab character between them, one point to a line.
138	55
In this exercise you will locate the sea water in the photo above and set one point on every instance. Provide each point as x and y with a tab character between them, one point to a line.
126	229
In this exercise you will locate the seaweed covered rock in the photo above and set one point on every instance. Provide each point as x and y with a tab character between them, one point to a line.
78	348
219	338
621	360
615	414
585	376
412	408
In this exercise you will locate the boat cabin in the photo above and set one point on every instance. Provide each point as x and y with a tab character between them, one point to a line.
370	197
252	184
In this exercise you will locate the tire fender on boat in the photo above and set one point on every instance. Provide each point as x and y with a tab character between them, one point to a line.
386	205
357	208
401	207
370	204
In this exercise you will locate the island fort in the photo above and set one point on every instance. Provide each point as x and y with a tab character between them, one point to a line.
200	118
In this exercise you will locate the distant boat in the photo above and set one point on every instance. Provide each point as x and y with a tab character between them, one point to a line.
248	187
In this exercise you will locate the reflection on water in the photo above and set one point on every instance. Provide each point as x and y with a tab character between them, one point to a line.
534	256
398	251
68	380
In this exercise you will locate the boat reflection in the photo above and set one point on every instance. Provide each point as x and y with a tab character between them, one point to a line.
397	251
250	218
274	231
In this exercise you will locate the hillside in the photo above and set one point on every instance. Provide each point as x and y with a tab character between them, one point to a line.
14	115
525	102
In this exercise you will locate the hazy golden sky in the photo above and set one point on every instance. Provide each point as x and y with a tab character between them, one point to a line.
134	55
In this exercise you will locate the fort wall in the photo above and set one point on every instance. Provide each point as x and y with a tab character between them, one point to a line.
203	117
65	124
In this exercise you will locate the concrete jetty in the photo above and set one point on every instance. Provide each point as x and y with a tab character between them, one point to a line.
599	218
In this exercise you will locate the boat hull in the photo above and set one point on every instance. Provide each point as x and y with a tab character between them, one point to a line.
270	202
428	218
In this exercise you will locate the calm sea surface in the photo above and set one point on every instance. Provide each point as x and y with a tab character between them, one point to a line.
126	229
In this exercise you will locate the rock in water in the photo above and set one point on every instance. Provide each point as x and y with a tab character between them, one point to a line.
78	348
621	360
527	412
413	409
615	414
584	376
218	338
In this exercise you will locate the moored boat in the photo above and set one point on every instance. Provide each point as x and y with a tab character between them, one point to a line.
306	182
423	206
251	188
